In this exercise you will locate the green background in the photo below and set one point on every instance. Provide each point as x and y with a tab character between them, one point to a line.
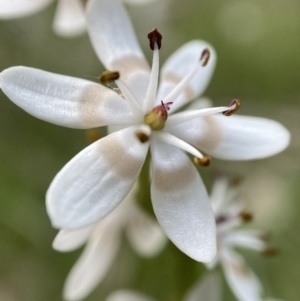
257	43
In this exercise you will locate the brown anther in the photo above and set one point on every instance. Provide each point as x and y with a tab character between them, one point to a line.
154	36
204	161
109	76
142	136
270	251
205	56
233	107
93	135
246	216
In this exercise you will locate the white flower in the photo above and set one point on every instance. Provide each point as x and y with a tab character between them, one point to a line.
229	216
95	181
206	289
69	19
103	242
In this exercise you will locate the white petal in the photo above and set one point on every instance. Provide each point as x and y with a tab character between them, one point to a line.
93	263
20	8
69	20
251	239
179	65
181	203
218	194
124	295
63	100
207	289
68	240
145	234
115	43
95	181
235	137
243	282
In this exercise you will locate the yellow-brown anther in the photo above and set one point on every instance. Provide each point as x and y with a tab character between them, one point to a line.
92	135
154	36
142	136
205	56
270	251
109	76
233	107
204	161
246	216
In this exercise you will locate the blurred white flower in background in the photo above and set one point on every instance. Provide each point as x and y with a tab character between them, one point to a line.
206	289
95	181
230	215
103	240
69	19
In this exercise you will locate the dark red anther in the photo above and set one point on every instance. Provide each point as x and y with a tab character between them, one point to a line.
154	36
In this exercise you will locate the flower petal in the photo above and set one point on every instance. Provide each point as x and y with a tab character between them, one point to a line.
181	203
138	2
250	239
63	100
69	20
145	234
124	295
235	137
115	43
93	263
95	181
20	8
69	240
179	64
207	289
243	282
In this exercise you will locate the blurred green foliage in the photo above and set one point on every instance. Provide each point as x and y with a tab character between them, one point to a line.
258	61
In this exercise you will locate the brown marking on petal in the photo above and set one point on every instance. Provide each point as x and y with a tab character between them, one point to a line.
173	180
211	139
154	36
239	268
129	65
175	79
116	155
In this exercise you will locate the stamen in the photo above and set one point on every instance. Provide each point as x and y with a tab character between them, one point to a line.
270	251
109	76
133	105
170	139
246	216
143	133
204	161
182	117
233	107
153	83
154	37
185	81
205	56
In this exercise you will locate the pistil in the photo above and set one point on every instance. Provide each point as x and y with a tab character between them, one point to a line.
158	116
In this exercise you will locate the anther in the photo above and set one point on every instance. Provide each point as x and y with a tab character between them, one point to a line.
246	216
270	251
204	161
154	36
109	76
142	136
92	135
233	107
205	56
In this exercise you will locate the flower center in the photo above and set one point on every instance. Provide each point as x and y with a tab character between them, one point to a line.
158	116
